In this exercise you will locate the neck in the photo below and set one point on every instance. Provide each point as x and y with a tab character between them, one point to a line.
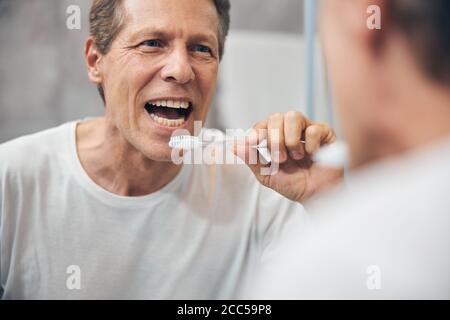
115	165
418	119
410	110
425	120
420	108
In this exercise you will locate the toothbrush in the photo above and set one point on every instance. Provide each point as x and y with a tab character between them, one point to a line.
186	142
334	155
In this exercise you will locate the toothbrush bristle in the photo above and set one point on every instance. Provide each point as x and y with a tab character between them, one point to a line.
184	142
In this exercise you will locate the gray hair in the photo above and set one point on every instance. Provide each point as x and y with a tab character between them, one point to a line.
106	19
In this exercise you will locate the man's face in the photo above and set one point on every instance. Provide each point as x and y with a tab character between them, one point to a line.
165	56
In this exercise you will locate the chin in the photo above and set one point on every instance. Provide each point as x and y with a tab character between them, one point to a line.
158	153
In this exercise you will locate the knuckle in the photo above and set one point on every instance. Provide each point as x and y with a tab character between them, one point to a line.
313	131
325	127
276	116
259	125
294	115
291	114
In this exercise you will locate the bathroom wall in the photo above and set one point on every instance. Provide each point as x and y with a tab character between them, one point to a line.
43	80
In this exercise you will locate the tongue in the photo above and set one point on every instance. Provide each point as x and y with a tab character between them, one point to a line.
167	113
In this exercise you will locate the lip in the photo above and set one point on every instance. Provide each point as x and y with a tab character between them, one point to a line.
184	99
168	129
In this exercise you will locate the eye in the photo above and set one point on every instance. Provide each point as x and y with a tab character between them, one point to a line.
201	48
152	43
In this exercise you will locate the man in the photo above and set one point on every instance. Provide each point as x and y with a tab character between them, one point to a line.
385	235
96	208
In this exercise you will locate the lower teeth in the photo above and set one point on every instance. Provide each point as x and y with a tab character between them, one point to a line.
167	122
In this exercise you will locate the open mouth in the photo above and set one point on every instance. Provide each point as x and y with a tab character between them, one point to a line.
169	113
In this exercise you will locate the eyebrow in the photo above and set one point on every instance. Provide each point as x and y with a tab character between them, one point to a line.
162	34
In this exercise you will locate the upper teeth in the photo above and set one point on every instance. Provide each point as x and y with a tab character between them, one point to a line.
171	104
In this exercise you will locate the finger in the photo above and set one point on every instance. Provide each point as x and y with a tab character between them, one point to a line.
243	148
275	137
244	151
258	133
317	135
294	125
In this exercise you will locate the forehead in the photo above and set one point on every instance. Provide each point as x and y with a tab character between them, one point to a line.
176	17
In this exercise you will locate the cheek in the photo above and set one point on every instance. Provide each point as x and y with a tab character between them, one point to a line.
344	89
123	84
208	81
346	73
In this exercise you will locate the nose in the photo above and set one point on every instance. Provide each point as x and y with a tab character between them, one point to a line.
178	68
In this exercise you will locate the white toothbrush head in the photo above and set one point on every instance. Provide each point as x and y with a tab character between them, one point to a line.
185	142
333	155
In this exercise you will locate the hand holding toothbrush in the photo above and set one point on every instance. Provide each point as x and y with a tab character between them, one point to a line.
292	140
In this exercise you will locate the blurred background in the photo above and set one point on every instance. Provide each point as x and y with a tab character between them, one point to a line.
272	63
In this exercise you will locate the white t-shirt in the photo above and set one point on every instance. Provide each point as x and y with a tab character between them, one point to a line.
64	237
386	235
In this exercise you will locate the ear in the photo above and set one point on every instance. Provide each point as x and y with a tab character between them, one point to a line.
369	21
93	61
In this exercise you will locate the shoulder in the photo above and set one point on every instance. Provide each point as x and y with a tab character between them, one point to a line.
32	150
403	204
408	190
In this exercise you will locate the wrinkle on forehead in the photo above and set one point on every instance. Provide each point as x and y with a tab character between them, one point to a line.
175	18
